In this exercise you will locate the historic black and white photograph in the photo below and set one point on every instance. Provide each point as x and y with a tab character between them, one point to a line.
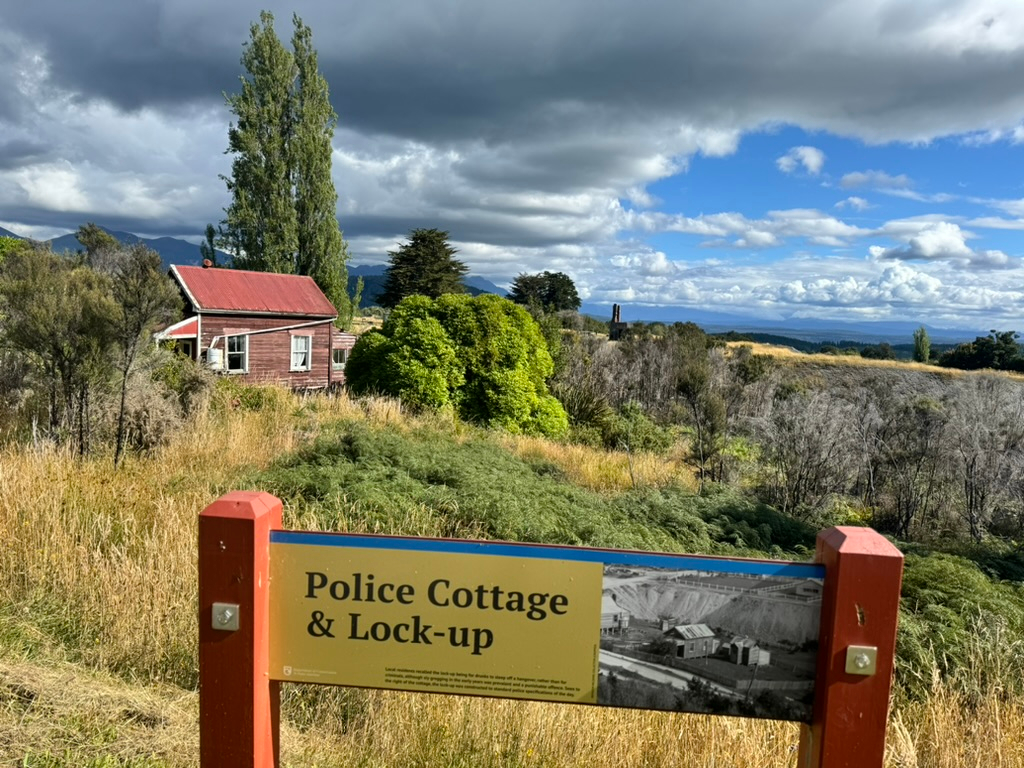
705	641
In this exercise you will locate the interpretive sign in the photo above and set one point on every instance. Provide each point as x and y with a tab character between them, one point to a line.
791	641
656	631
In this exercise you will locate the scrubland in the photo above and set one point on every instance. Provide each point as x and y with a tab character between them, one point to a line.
98	584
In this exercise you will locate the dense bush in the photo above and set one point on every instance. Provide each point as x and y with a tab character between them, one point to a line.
948	606
483	356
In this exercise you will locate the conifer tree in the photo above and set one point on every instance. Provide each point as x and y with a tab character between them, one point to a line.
426	265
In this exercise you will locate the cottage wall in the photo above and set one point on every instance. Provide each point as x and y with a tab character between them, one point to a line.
269	354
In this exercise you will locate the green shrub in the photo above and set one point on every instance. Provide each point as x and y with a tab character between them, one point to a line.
484	356
948	604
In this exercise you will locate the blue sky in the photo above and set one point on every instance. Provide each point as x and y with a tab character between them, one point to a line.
811	162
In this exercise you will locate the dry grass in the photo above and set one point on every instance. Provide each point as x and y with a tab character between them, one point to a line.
608	471
60	715
791	357
88	550
98	573
361	325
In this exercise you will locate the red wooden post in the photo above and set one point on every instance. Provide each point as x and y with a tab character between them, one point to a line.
856	650
239	707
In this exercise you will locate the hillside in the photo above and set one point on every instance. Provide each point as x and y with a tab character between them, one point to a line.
743	616
84	683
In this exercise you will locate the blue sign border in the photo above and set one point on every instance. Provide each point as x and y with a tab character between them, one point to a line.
781	568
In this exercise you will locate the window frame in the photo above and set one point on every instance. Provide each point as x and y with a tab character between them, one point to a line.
243	353
335	365
308	351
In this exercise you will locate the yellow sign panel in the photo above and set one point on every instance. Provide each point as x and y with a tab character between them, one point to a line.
445	622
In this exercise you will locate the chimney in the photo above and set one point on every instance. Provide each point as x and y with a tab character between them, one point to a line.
207	263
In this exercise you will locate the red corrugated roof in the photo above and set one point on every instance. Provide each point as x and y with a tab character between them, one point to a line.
236	290
186	329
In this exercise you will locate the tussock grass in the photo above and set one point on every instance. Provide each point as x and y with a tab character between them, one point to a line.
98	577
601	470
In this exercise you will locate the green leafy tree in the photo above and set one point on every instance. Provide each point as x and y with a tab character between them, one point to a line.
8	244
322	253
144	297
411	357
58	314
483	357
96	241
881	351
282	216
922	345
426	265
552	291
998	351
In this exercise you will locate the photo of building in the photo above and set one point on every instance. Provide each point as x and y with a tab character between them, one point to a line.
719	641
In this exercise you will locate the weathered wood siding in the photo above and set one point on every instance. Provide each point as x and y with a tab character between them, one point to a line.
270	354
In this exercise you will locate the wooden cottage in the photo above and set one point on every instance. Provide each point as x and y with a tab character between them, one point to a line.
260	326
613	618
693	641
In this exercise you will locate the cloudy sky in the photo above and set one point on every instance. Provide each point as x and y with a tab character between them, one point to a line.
835	160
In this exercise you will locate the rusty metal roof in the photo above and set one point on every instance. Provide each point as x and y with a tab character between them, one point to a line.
242	292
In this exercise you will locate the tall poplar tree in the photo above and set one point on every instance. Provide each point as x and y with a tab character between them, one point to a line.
283	211
321	253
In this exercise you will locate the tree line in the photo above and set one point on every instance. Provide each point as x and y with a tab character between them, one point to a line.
919	455
74	329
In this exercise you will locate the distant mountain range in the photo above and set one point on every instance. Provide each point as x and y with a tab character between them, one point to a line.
172	250
176	251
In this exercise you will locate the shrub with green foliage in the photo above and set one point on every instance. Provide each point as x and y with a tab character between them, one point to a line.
381	477
482	356
947	604
633	430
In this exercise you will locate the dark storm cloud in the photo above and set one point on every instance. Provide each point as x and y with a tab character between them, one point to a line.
460	69
18	152
519	127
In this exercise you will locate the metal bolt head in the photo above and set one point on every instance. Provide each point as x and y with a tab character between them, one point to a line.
225	616
861	660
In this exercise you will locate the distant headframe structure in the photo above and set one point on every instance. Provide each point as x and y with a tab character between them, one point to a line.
617	329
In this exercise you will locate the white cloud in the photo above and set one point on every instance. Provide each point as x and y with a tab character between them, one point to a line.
943	241
1014	135
910	194
810	158
876	179
995	222
1012	207
857	203
755	238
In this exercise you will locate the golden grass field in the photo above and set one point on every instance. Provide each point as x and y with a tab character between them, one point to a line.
98	633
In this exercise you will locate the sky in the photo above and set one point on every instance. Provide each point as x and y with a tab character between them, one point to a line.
812	161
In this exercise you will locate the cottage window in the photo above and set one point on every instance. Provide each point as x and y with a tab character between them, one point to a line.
338	359
238	354
301	352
